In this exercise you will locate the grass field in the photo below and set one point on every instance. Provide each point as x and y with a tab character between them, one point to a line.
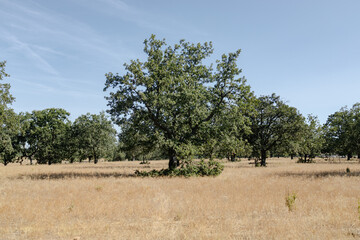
105	201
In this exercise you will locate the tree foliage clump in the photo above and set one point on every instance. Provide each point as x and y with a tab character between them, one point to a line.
5	97
8	120
187	169
136	145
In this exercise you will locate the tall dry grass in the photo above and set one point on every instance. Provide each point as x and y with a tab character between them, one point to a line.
105	201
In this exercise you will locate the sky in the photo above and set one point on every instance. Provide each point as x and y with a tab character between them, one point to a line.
58	52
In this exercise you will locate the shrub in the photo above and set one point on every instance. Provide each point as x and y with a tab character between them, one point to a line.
303	160
187	169
144	162
290	201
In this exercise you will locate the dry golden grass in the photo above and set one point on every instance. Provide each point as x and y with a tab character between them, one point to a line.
105	201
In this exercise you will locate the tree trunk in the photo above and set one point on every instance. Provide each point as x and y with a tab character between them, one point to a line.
95	159
173	161
358	155
30	160
263	158
211	154
305	157
292	156
349	156
233	157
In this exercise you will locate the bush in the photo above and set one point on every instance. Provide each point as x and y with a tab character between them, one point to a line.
188	169
302	160
290	201
144	162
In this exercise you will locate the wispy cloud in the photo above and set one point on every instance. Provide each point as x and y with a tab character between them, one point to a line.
48	50
60	52
121	5
145	19
42	38
46	88
60	30
27	50
129	14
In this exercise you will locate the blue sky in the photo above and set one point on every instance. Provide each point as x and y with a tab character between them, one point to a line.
57	52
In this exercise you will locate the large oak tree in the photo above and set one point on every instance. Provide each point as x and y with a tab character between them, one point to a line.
173	96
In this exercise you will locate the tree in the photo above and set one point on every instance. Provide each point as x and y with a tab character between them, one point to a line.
173	96
342	132
24	138
311	142
47	134
8	120
135	144
275	126
8	134
118	153
338	133
227	135
355	112
70	143
95	136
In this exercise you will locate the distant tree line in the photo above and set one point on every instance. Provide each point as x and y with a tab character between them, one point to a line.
173	105
48	136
